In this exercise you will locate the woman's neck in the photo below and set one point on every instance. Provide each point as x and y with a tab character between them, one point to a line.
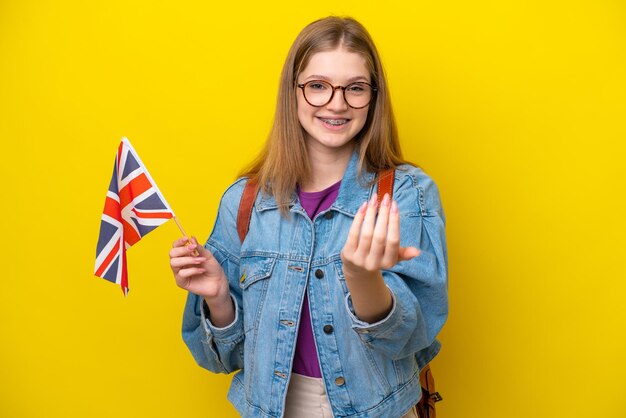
327	167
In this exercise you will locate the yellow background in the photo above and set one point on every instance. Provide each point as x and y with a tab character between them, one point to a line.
516	109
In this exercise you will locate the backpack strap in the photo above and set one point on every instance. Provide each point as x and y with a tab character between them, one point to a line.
245	208
385	184
426	405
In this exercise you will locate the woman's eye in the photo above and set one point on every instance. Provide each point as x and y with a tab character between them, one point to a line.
356	88
317	86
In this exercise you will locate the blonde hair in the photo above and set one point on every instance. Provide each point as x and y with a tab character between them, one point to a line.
284	161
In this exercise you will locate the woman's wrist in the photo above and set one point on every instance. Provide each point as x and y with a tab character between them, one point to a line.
218	302
371	297
221	307
216	291
356	275
221	313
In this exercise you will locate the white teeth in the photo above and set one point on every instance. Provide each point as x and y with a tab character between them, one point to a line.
335	122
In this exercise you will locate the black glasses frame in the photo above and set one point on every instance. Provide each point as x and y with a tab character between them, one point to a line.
335	88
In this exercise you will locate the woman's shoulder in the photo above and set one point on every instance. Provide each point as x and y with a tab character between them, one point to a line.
232	194
223	235
414	181
407	175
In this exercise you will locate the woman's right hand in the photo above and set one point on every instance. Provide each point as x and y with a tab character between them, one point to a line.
201	275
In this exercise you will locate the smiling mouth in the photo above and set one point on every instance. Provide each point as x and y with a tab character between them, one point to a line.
334	122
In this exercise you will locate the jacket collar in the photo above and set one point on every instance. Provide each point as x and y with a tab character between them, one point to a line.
352	192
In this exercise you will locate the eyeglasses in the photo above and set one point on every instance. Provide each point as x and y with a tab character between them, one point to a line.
319	93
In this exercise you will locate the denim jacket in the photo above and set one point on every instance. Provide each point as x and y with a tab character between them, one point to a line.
369	369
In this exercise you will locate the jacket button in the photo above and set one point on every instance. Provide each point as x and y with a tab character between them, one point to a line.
328	329
340	381
328	215
319	273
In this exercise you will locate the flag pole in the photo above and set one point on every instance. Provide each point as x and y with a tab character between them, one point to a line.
195	253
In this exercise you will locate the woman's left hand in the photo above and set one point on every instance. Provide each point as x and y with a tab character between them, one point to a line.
374	241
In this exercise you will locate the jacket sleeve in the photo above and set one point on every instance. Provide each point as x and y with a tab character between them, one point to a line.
418	286
219	350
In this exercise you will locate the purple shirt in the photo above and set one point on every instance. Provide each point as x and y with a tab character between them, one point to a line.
305	361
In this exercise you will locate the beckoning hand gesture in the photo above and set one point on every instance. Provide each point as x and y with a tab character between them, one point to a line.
373	242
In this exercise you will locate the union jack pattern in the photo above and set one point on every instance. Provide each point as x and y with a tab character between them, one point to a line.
133	207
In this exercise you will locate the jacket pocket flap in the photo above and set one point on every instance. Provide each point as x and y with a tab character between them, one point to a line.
255	268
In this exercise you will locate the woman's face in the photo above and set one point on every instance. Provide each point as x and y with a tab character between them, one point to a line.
332	126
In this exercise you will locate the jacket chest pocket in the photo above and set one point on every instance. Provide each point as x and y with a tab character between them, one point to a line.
255	274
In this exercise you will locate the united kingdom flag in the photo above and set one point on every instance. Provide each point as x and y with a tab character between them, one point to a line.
133	207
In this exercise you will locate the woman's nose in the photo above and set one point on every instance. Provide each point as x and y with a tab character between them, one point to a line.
338	102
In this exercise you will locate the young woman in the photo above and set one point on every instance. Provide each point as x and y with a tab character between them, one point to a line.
333	301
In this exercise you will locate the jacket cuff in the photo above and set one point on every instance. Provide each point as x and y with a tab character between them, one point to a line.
368	332
229	334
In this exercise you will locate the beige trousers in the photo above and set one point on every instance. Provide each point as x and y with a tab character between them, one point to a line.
306	398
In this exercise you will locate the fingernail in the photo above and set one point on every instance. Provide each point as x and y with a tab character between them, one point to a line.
362	208
385	201
373	200
394	207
